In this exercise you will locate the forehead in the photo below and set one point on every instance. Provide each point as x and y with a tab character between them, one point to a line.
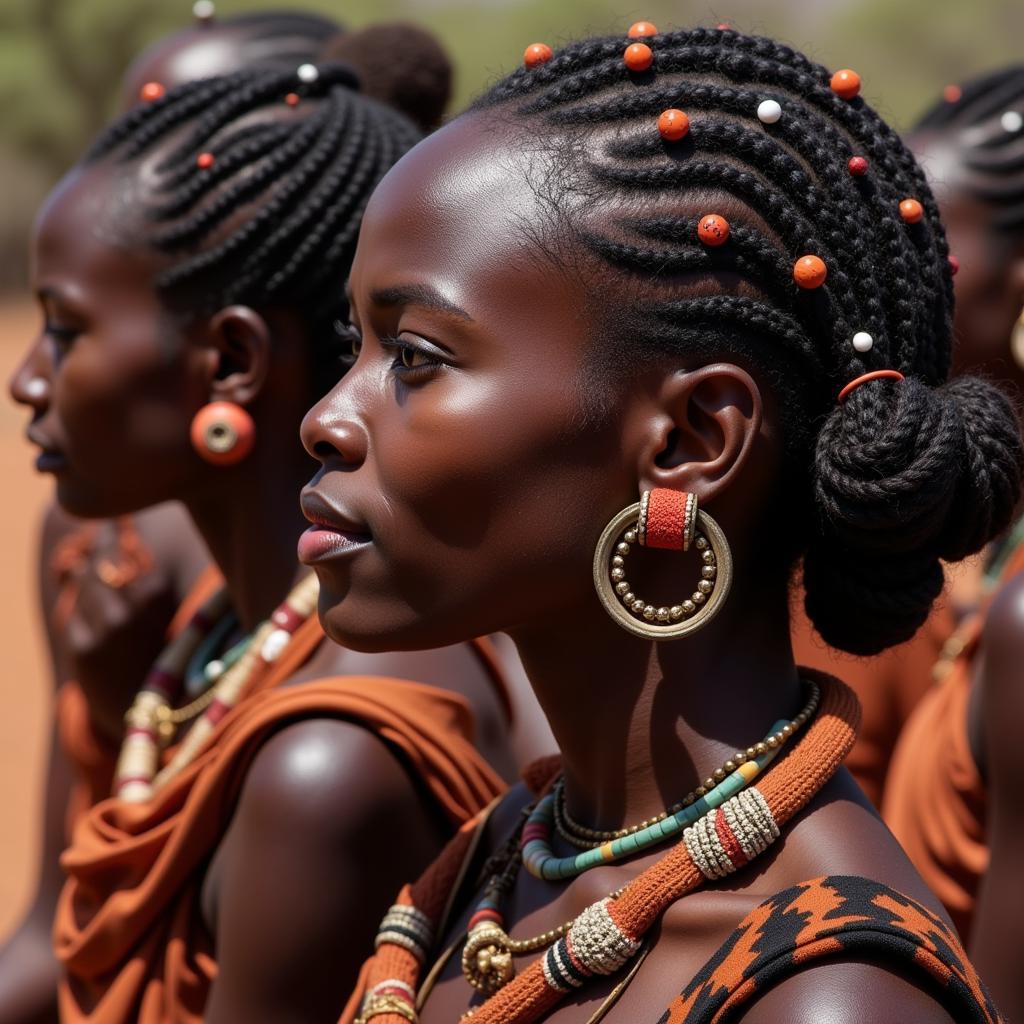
83	231
464	194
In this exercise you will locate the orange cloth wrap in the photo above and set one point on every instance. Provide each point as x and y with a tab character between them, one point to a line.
128	928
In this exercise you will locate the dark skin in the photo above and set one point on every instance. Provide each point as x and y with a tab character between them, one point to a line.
125	381
990	300
451	264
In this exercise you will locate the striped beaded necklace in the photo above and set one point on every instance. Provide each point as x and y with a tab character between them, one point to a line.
607	935
152	721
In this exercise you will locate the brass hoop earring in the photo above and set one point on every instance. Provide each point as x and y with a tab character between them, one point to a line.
655	622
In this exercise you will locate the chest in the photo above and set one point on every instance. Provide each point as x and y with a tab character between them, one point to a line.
685	938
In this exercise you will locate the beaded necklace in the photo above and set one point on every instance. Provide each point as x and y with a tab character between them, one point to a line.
152	721
609	933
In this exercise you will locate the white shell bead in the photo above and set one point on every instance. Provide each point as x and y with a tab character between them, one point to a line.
308	73
769	111
1012	121
274	645
203	10
863	342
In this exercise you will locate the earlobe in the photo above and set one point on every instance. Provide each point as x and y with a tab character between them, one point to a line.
708	422
240	339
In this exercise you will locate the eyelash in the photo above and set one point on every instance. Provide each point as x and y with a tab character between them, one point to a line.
402	350
64	336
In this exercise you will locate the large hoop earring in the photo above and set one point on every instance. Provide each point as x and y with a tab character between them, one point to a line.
669	520
223	433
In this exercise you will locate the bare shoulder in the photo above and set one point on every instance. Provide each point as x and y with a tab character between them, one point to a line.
847	992
840	833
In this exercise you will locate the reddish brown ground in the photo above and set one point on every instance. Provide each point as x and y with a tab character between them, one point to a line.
24	681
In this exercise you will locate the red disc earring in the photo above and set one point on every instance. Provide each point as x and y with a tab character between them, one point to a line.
222	433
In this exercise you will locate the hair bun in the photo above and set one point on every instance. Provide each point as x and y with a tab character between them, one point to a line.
401	65
905	475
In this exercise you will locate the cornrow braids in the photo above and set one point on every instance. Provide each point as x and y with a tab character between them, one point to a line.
877	489
274	218
986	123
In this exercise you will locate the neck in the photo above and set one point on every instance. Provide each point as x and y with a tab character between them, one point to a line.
641	723
250	521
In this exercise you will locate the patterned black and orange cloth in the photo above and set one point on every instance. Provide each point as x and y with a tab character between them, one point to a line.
834	916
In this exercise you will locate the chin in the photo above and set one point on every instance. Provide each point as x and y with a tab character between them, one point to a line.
377	630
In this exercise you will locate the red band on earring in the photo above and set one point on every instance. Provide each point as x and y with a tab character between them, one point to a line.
666	519
865	377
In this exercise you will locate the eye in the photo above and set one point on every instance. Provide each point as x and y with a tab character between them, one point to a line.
63	336
413	358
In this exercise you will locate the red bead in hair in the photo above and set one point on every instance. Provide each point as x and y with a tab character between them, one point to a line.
713	230
810	272
858	166
952	93
673	124
640	29
846	83
204	161
638	57
152	91
954	265
537	54
292	99
911	211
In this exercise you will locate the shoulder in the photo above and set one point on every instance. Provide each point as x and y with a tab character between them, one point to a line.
846	993
311	769
1001	694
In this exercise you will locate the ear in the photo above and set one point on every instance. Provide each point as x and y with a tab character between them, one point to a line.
237	341
704	425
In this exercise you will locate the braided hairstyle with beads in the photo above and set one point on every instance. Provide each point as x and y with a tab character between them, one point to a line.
877	489
261	179
985	121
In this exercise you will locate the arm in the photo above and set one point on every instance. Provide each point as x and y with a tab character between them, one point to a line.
847	992
328	827
998	928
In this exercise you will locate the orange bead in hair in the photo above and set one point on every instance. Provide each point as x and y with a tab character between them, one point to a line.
640	29
713	230
673	124
152	91
537	54
952	93
810	272
846	84
911	211
292	99
638	57
205	161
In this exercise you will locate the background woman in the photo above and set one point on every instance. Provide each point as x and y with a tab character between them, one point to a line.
693	263
190	272
953	799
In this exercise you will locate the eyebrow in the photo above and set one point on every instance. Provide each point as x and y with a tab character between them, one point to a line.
418	295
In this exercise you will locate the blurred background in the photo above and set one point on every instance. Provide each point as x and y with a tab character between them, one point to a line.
60	64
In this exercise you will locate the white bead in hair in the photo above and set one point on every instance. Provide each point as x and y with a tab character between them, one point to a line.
863	342
769	111
308	73
203	10
1012	121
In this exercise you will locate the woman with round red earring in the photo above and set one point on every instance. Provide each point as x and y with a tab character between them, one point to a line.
621	885
248	706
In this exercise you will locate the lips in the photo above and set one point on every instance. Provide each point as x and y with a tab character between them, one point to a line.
50	458
334	533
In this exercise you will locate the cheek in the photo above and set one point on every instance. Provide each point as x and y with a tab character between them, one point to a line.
120	397
498	482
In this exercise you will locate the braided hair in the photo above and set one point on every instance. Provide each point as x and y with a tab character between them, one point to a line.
261	182
991	152
877	489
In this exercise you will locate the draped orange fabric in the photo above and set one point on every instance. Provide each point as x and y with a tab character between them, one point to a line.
935	801
129	929
889	687
92	760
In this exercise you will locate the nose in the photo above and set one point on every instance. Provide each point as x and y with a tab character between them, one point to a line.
331	434
30	383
